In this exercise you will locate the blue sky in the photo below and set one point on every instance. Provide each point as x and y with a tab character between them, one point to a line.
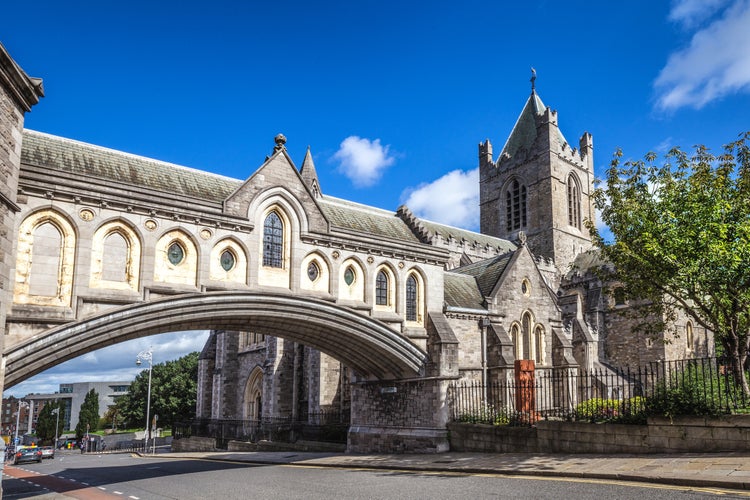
392	97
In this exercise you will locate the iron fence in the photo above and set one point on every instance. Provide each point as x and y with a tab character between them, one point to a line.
684	387
327	426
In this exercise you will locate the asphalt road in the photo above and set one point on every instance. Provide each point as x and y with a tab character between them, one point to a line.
124	476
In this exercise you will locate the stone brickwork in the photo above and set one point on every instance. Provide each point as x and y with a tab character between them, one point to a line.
660	435
399	416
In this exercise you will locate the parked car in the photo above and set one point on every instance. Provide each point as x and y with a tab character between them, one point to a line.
27	455
48	452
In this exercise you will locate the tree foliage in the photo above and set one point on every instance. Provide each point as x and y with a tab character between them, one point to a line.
174	388
682	238
88	417
46	421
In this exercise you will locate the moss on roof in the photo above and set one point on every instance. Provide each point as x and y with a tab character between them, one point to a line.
461	291
79	158
365	219
486	272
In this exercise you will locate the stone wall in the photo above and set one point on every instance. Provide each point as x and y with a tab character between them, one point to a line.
660	435
399	416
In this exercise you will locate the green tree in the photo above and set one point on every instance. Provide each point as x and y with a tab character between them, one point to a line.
174	388
682	239
46	421
88	417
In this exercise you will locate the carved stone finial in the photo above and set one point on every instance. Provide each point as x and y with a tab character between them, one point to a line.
280	140
533	80
522	237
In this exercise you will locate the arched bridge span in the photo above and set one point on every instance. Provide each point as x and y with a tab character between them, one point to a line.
362	343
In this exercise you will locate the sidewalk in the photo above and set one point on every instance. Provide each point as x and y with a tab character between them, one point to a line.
727	470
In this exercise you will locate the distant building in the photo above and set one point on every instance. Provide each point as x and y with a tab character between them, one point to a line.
71	396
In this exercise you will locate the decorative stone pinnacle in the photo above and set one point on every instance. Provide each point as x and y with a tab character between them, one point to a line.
280	140
533	80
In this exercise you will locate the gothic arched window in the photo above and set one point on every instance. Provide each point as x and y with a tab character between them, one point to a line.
273	241
381	289
411	298
515	206
574	202
528	343
515	335
539	345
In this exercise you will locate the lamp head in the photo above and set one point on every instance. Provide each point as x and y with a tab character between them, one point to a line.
138	361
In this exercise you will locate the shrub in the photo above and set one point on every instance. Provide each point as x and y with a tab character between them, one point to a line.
486	414
598	409
690	392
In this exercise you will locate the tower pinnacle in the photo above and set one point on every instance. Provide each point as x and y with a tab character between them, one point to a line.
533	80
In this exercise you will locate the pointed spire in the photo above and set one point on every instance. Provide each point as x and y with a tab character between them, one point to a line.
309	175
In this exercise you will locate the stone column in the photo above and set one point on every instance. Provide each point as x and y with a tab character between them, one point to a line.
18	93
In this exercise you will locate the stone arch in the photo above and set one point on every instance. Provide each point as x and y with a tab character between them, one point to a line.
368	346
315	263
218	268
252	406
285	201
167	268
354	291
56	269
113	267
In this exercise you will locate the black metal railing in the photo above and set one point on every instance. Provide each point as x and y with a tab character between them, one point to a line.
669	388
327	426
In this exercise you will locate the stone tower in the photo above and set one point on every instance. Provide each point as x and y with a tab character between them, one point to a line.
539	185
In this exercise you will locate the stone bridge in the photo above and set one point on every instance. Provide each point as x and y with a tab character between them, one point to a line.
100	246
368	346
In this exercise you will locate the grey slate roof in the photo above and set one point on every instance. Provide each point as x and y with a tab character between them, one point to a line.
78	158
524	134
365	219
486	272
482	240
87	160
461	291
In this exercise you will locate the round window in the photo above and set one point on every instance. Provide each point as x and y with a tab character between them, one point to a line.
227	260
525	288
349	276
175	253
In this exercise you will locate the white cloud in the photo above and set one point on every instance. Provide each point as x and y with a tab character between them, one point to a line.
363	161
689	13
453	199
114	363
715	64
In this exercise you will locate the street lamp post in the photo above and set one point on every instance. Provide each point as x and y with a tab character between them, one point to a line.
21	404
147	356
56	411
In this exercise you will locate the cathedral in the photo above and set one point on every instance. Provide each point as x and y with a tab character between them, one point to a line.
524	288
316	305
